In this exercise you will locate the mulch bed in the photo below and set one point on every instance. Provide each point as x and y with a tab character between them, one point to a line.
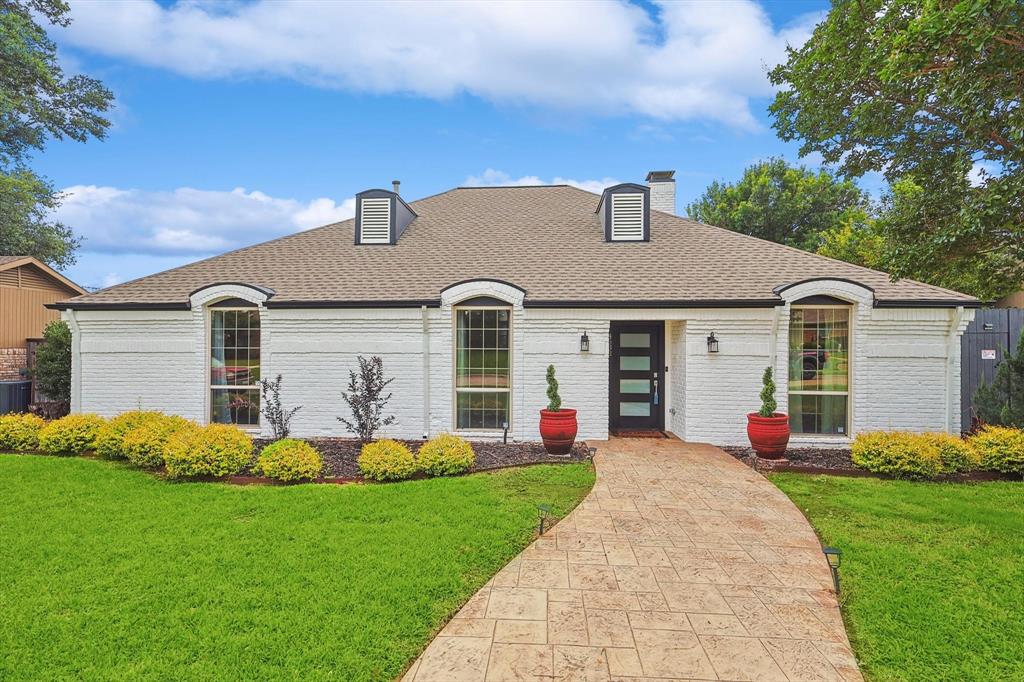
837	462
340	454
824	459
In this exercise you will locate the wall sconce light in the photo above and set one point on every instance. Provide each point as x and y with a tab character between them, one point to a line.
834	555
712	343
584	343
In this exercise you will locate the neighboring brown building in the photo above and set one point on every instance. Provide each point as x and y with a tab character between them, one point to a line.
26	286
1014	300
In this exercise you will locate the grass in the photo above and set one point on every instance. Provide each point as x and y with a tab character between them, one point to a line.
932	574
109	573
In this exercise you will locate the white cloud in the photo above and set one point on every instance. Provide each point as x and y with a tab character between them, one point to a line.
110	279
187	221
691	60
981	171
493	178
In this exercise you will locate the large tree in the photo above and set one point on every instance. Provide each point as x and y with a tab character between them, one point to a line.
927	92
38	102
785	204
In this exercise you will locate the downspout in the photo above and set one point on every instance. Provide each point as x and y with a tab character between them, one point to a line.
773	342
76	360
426	371
951	340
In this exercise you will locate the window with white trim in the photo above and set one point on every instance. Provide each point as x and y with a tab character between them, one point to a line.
483	377
819	369
235	366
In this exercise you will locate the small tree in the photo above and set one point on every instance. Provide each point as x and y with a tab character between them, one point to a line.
278	417
554	400
52	370
365	399
1002	402
768	404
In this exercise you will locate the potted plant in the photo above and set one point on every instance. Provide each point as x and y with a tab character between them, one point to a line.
557	424
767	429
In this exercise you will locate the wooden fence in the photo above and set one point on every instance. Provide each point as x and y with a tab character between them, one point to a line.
993	333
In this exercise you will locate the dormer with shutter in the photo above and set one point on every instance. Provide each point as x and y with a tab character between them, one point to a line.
625	213
381	217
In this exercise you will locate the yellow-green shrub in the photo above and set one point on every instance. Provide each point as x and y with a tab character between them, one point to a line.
445	455
289	460
144	445
71	435
214	450
955	454
1000	449
898	454
109	441
20	432
386	460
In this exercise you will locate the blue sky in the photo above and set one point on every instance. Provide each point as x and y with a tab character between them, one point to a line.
239	122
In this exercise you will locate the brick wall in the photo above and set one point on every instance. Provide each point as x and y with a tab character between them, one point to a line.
12	361
157	360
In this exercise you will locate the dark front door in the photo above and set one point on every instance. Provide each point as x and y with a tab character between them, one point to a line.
637	391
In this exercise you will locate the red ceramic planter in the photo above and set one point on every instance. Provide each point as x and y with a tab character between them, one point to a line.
558	430
769	436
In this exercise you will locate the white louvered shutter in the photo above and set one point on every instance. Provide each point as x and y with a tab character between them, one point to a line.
627	217
375	221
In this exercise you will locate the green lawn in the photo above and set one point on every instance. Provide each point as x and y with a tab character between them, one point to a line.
109	573
932	575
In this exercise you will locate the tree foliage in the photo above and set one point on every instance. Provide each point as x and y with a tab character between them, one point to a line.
38	102
782	203
365	398
927	92
52	371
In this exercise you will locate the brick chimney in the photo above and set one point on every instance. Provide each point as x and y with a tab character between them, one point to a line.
663	190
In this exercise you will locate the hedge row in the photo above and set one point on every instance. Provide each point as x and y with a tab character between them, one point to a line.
152	439
389	460
929	455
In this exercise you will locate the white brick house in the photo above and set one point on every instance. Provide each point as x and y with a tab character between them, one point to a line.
469	295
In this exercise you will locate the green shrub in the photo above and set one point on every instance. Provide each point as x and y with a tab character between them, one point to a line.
386	460
445	455
214	450
144	445
110	439
71	435
52	371
290	460
20	432
898	454
956	455
1000	449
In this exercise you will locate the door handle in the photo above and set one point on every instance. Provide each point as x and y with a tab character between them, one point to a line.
655	391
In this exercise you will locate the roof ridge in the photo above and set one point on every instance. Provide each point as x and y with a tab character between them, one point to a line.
542	185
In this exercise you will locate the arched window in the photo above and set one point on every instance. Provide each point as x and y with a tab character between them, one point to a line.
819	365
234	363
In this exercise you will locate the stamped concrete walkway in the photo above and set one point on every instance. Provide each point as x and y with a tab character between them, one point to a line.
682	563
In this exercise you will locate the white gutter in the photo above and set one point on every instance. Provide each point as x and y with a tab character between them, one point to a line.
76	360
951	349
426	371
773	341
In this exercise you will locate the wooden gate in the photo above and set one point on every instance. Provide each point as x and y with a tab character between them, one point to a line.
993	333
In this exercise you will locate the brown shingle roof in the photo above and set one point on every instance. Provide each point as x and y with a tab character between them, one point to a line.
546	240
